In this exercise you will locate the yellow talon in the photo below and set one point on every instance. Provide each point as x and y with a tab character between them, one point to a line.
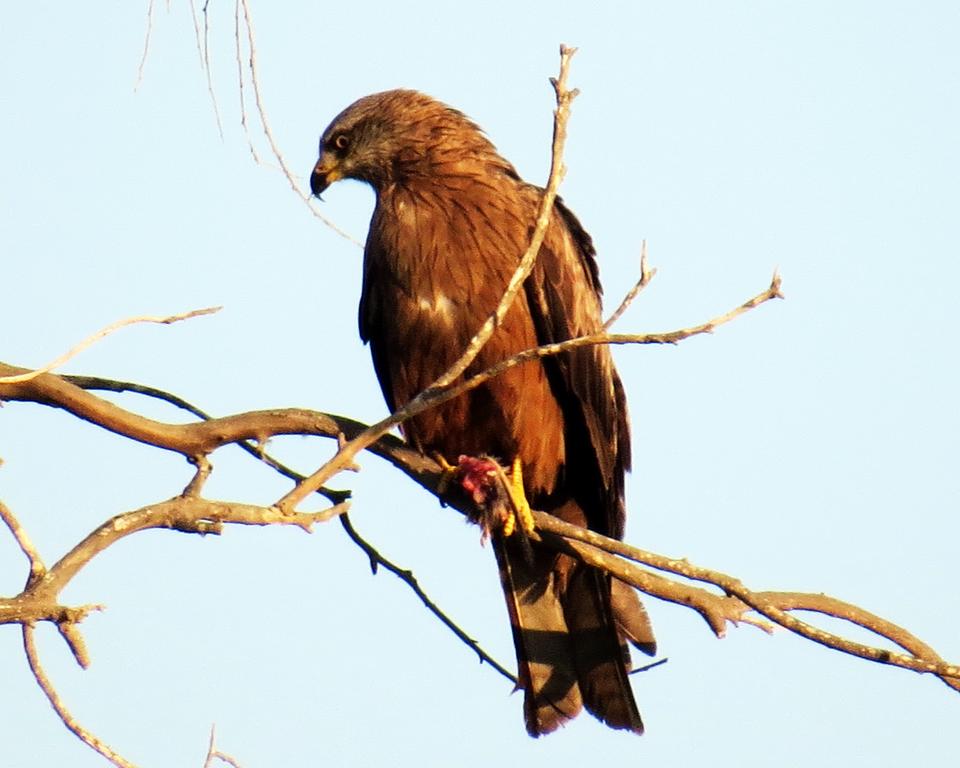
510	523
521	507
449	472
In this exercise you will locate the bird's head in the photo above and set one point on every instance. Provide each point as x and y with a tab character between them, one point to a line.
390	136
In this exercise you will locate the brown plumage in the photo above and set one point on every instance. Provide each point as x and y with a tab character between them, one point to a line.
451	221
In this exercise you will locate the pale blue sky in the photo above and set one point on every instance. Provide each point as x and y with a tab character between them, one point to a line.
812	445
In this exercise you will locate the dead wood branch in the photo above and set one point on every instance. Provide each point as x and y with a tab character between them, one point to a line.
33	659
102	333
243	23
188	514
646	275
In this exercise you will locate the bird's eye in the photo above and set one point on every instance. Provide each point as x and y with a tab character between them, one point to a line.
341	141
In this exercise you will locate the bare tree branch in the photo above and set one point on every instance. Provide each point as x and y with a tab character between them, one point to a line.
254	449
191	440
102	333
774	606
558	170
237	38
202	438
669	337
247	23
37	568
197	515
146	45
186	514
621	560
646	275
215	754
30	648
203	50
406	576
197	440
391	449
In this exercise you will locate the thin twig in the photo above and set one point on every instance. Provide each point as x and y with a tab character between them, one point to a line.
214	753
103	332
203	53
265	123
206	65
240	79
407	577
115	385
146	46
648	667
544	215
37	568
646	275
668	337
60	708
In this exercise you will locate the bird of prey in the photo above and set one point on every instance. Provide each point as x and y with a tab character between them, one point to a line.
451	222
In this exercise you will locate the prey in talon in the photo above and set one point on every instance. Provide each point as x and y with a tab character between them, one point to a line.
499	499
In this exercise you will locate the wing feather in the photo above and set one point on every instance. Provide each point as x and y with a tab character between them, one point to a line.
564	296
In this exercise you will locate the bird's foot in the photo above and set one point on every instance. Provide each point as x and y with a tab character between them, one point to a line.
501	501
448	474
520	512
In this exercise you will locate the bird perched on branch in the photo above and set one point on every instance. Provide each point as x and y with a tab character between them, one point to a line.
451	222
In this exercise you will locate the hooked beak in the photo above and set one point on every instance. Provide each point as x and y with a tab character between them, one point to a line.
325	172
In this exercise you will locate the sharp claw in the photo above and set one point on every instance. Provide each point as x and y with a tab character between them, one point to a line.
510	524
521	505
449	473
499	496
